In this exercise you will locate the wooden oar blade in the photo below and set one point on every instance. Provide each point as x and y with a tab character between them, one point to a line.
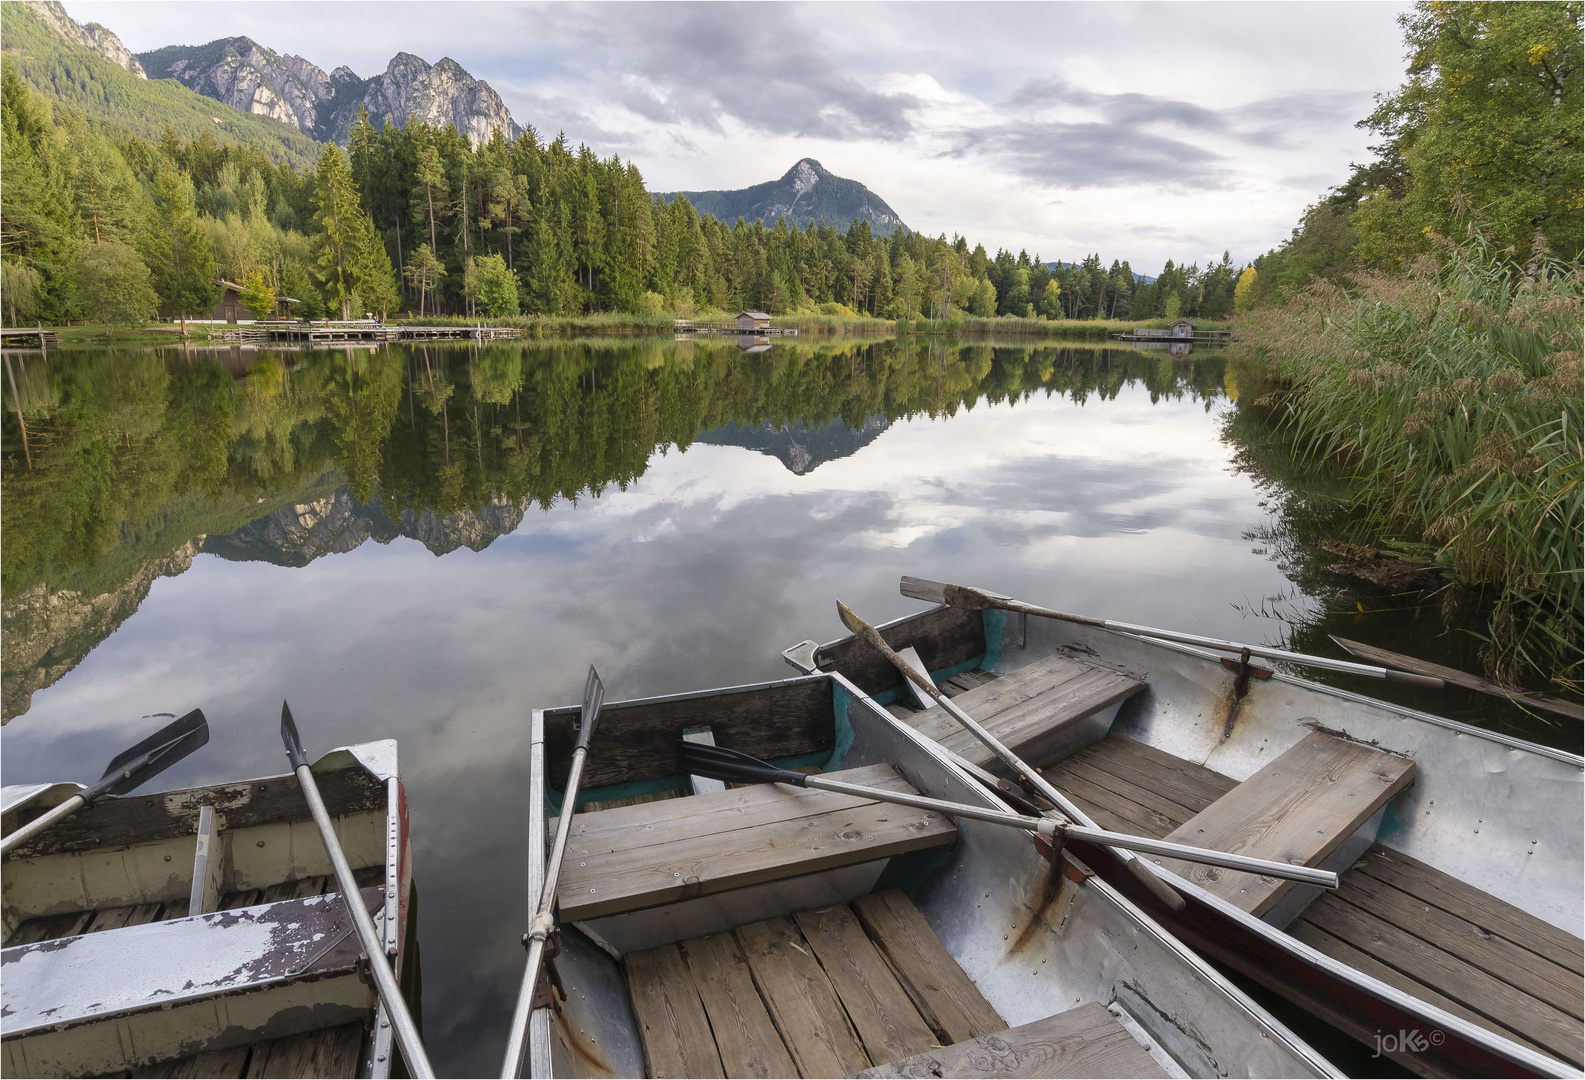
153	755
734	766
964	596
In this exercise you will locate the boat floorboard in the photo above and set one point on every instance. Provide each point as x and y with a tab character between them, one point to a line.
827	992
72	923
1431	935
326	1052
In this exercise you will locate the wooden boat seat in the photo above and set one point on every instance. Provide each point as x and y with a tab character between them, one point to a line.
821	993
632	857
1300	808
1086	1041
1030	710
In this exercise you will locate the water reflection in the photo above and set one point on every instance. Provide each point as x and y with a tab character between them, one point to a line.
138	461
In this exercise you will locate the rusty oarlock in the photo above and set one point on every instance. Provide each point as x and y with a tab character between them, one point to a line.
1240	689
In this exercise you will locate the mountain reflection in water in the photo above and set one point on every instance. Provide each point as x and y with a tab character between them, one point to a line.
140	460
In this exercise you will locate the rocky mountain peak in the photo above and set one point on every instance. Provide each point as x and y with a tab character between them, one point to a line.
96	37
806	194
253	78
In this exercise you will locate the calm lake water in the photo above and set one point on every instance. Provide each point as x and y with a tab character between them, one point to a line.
424	544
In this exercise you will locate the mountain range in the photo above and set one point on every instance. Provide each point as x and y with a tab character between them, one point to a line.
806	194
252	78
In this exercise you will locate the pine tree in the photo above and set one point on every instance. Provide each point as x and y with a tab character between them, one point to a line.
339	230
373	274
176	250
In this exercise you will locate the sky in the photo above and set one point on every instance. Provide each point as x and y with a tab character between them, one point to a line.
1142	131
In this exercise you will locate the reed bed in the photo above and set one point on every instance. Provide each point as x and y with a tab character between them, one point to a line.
1451	399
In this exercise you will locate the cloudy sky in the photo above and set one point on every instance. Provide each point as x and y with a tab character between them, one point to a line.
1143	131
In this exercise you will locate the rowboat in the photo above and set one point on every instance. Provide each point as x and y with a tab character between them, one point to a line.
200	932
1453	943
774	930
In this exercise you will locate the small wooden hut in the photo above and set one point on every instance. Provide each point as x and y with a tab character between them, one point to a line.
230	306
1182	328
753	320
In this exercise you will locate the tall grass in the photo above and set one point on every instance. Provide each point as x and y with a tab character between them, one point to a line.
1452	398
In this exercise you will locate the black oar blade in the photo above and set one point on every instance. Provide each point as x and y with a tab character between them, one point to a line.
593	699
153	755
294	744
719	763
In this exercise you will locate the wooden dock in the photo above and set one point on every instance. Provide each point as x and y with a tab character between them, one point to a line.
28	336
360	331
729	329
1198	337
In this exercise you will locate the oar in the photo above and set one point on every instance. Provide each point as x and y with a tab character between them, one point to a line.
544	923
1147	876
384	979
128	771
964	596
720	763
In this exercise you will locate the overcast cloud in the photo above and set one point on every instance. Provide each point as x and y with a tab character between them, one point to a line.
1143	131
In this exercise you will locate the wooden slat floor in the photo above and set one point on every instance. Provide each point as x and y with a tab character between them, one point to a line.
69	924
327	1052
1395	918
831	992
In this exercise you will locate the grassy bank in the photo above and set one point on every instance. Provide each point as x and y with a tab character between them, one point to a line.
1450	401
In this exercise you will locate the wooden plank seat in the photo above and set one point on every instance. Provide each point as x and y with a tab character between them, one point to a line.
826	992
1300	808
628	858
1031	710
1081	1042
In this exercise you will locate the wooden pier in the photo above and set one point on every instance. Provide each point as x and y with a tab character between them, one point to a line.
360	331
26	336
731	329
1197	337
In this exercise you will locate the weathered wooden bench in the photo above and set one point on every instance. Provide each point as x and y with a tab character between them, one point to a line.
1033	711
1317	804
658	856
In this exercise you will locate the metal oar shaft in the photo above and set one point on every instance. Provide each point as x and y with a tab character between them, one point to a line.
544	923
42	822
384	979
517	1040
1347	667
1048	827
1326	879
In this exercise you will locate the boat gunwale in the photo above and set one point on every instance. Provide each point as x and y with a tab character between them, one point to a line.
1510	741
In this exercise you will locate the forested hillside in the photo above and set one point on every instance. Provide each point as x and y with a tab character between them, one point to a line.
115	99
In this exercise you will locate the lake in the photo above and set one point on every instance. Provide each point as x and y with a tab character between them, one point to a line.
426	543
